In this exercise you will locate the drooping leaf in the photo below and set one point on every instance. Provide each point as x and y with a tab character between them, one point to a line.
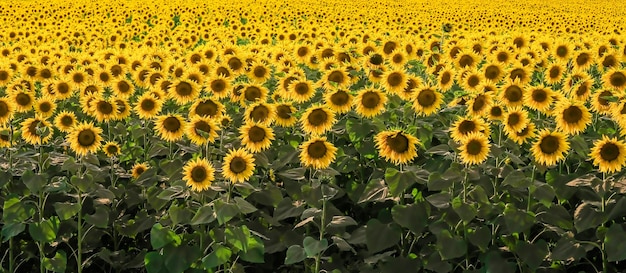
413	216
161	236
295	254
381	236
312	246
219	256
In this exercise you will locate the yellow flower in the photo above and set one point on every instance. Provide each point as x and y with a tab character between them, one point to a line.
184	91
396	146
615	78
370	102
45	107
201	130
464	126
84	138
65	120
111	149
474	149
285	115
198	174
317	153
339	101
256	137
426	100
394	81
170	127
36	131
238	166
317	120
260	112
138	169
550	147
6	110
572	117
609	154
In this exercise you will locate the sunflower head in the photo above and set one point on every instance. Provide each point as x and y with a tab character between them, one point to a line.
370	102
396	146
550	147
609	154
198	174
111	149
317	120
85	138
474	149
317	153
138	169
238	166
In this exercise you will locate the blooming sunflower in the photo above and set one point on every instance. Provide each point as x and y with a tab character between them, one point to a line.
515	120
6	110
396	146
426	100
600	102
23	100
123	88
198	174
471	80
256	137
524	135
65	120
36	131
103	109
259	72
147	106
615	78
45	107
111	149
467	125
550	147
207	107
512	94
260	112
480	104
170	127
138	169
5	137
317	153
370	102
337	77
84	138
572	117
201	130
317	120
285	115
254	92
394	81
538	98
493	71
339	101
609	154
184	91
474	149
238	166
554	72
219	86
301	90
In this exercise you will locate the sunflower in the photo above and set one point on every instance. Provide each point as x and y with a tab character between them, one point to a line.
285	115
123	109
317	153
615	78
550	147
370	102
512	94
398	59
426	100
5	137
64	121
562	50
254	92
219	87
538	98
61	89
523	135
609	154
301	90
467	59
480	104
600	102
138	169
170	127
572	117
339	101
78	78
6	74
515	120
23	100
396	146
554	72
583	60
502	56
6	110
123	88
445	79
147	106
520	75
183	91
336	77
36	131
207	107
84	138
256	137
45	107
317	120
259	72
471	80
474	149
467	125
201	130
238	166
394	81
103	109
111	149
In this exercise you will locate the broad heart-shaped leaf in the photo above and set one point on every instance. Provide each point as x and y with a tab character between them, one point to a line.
100	218
312	246
295	254
244	206
15	211
516	220
480	237
34	182
10	230
204	215
155	263
413	216
179	214
586	216
66	210
532	254
615	243
380	236
567	250
255	252
449	246
558	216
180	258
45	231
218	257
85	182
161	236
225	211
517	179
238	237
56	263
465	211
399	181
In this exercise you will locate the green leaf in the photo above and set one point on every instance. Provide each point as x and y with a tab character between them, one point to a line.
558	216
293	174
480	237
312	247
244	206
517	179
179	214
532	254
85	182
380	236
341	221
155	263
255	252
180	258
437	183
449	246
516	220
56	263
399	181
295	254
66	210
100	218
45	231
15	211
238	237
615	243
218	257
11	230
465	211
286	209
567	250
225	211
161	236
586	216
204	215
413	216
70	165
34	182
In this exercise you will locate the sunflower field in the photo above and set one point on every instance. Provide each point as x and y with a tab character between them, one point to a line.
313	136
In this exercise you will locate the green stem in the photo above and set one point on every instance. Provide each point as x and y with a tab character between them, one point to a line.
42	255
531	187
79	260
318	258
11	258
605	262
